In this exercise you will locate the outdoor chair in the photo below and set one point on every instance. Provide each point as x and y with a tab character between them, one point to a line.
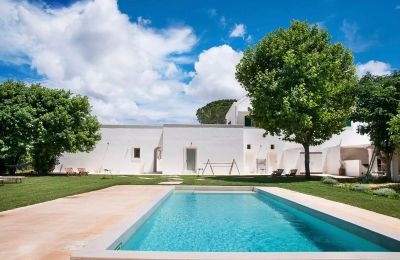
82	171
292	173
69	171
277	173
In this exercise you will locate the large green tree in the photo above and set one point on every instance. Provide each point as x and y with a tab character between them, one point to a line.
214	112
377	103
301	86
64	125
43	123
17	124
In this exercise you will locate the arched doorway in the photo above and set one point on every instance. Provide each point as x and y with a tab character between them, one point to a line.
157	159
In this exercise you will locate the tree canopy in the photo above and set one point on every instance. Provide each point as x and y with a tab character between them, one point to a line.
214	112
41	124
301	86
377	104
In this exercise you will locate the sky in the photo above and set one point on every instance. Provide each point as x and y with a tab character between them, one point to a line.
158	61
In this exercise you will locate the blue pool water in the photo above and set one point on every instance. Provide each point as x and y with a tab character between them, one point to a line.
239	222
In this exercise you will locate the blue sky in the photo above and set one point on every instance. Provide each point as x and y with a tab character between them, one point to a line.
104	48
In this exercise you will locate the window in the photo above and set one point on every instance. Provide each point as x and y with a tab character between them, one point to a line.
136	153
247	121
248	146
272	146
348	122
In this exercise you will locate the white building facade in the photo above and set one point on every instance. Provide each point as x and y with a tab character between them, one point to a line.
234	148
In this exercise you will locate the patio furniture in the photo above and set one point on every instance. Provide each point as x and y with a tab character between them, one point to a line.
261	165
70	171
220	164
12	178
292	173
82	172
1	181
277	173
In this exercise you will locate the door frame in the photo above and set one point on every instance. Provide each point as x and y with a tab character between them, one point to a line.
186	170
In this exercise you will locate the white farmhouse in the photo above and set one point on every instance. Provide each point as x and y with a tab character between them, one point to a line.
234	148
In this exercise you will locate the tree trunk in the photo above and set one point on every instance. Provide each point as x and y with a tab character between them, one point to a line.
387	160
307	160
12	170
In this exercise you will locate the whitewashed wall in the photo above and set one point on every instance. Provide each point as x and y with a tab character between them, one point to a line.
115	151
261	149
238	111
219	143
396	168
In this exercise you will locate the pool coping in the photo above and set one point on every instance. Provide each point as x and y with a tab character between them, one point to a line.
97	249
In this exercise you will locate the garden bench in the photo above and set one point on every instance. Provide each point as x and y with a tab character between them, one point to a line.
12	178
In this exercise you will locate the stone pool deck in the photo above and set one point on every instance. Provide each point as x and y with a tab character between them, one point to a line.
56	229
51	230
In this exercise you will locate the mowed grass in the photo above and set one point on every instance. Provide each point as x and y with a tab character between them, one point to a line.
44	188
38	189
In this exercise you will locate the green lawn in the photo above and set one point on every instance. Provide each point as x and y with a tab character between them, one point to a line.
38	189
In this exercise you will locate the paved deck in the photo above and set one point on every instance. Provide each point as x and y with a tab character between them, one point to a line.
386	225
49	230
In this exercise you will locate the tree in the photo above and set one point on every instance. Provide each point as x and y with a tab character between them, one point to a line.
214	112
64	125
394	129
17	121
377	103
43	123
301	86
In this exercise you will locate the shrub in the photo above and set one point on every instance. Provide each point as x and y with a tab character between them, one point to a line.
360	187
387	192
368	178
329	180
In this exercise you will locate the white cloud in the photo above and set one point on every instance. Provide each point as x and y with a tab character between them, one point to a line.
223	21
142	21
214	76
130	71
320	24
238	31
374	67
353	39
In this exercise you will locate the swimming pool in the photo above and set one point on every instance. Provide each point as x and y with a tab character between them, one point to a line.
183	222
247	222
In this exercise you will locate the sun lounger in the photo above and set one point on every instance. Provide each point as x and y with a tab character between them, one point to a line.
82	171
70	171
292	173
277	173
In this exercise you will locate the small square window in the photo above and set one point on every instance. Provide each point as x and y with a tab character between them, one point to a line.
248	146
136	153
272	146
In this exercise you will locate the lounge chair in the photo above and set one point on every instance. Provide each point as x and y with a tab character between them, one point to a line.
277	173
70	171
292	173
82	171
